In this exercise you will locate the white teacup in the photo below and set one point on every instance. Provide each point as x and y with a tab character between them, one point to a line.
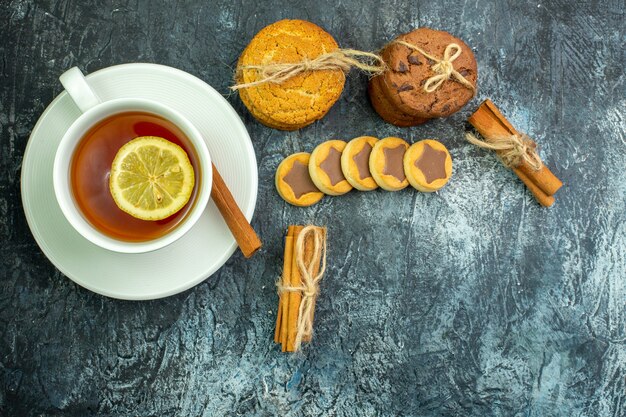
95	111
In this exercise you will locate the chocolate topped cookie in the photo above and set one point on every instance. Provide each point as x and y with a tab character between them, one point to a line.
388	111
386	163
355	161
293	181
428	165
298	101
325	168
431	74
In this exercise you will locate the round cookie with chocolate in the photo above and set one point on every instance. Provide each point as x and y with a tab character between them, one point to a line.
411	73
386	163
293	181
428	165
386	110
300	100
355	163
325	168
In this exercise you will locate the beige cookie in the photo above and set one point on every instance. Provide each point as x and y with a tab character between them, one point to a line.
293	181
355	163
386	163
325	168
428	165
298	101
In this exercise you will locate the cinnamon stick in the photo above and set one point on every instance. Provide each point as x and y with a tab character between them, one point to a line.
286	277
316	270
239	226
541	197
290	242
294	298
490	123
308	254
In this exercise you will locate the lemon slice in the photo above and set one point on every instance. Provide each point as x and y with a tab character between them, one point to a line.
151	178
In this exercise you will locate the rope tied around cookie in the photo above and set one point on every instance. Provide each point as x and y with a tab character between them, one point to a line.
310	280
340	59
511	149
443	67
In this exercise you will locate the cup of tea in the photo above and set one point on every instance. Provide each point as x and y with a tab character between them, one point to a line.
82	167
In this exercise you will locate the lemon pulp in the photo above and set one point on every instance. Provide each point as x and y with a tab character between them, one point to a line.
151	178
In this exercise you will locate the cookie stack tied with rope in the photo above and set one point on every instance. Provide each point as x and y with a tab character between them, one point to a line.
430	74
293	71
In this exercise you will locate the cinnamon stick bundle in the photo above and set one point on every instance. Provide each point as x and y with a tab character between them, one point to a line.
493	126
303	268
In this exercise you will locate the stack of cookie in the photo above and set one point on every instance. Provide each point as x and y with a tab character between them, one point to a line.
303	98
365	163
430	74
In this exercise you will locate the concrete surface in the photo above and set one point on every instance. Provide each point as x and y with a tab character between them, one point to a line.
474	301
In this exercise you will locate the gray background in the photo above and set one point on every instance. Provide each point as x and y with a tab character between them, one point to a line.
473	301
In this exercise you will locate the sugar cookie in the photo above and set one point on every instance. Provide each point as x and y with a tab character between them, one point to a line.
428	165
355	163
325	168
302	99
293	182
386	163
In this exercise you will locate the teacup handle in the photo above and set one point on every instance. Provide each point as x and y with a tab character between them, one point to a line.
79	90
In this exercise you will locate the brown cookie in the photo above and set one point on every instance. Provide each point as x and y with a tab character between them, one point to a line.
386	110
409	70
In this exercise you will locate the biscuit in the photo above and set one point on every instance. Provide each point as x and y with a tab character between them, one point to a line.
300	100
386	111
259	116
403	83
293	182
428	165
386	163
325	168
355	163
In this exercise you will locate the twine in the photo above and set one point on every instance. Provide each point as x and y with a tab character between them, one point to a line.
341	59
443	67
310	283
511	149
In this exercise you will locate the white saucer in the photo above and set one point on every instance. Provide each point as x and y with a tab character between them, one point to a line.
188	261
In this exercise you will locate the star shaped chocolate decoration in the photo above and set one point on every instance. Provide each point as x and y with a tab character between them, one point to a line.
432	163
332	166
299	180
362	159
393	162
